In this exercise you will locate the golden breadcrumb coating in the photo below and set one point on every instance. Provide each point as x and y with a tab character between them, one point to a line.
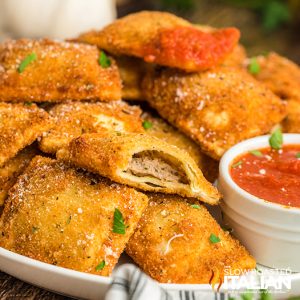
217	108
62	216
20	126
165	39
75	118
141	161
237	57
162	130
172	243
291	124
280	75
61	71
11	170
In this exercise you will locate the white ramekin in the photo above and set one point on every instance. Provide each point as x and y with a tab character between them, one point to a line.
270	231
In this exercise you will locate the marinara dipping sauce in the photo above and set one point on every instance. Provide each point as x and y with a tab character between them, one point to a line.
272	175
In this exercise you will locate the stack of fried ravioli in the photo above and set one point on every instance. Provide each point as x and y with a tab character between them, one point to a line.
86	175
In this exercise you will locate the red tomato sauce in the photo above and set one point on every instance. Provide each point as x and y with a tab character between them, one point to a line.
273	176
191	48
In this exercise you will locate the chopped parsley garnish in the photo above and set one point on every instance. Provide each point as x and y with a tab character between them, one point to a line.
28	103
100	266
35	229
276	139
195	206
298	155
254	67
147	124
247	295
119	225
258	270
256	153
26	61
69	219
236	164
214	239
104	61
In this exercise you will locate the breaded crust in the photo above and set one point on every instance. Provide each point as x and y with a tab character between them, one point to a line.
20	126
217	108
291	124
64	217
141	161
280	75
172	243
75	118
61	71
132	71
11	170
237	57
164	39
162	130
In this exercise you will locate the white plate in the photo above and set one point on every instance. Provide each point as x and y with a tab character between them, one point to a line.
88	286
83	285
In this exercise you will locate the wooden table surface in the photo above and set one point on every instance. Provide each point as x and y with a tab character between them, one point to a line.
12	288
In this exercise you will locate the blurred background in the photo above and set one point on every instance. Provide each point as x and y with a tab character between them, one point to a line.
265	24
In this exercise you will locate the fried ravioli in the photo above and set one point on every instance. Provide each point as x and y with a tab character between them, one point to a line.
217	108
162	130
173	243
44	70
280	75
165	39
132	71
65	217
291	124
20	126
141	161
13	168
75	118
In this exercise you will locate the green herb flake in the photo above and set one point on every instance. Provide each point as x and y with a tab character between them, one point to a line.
256	153
254	67
258	270
104	61
26	61
239	163
147	124
28	103
34	229
69	220
195	206
276	139
119	225
298	155
214	239
101	266
264	295
247	295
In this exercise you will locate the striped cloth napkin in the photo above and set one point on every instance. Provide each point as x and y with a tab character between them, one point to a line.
129	282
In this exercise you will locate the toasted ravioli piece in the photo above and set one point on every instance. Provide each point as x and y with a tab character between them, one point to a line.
173	243
65	217
132	71
44	70
20	125
141	161
165	39
237	57
291	124
217	108
13	168
281	75
75	118
162	130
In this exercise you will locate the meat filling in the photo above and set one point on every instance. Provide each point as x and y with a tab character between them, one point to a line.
158	165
